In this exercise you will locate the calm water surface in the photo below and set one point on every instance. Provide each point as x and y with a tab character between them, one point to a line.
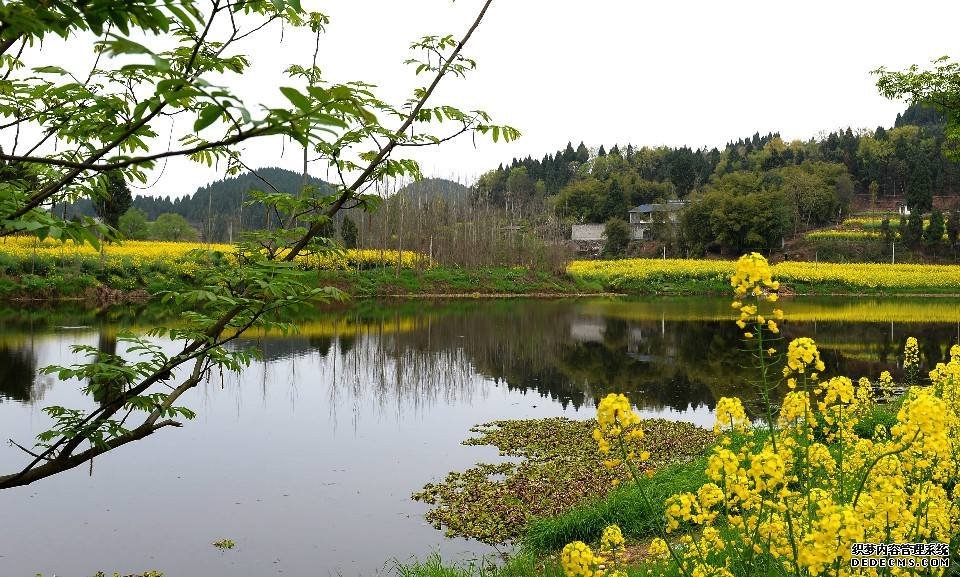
307	460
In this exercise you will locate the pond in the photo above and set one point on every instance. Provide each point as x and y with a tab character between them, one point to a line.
307	460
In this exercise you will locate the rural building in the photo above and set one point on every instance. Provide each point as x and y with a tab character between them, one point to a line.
641	218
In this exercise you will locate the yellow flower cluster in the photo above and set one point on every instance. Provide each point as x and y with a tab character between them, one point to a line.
612	543
578	560
176	254
752	276
364	259
802	353
658	549
730	416
795	496
616	420
911	360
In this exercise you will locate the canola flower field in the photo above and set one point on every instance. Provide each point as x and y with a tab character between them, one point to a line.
40	266
156	264
842	235
651	276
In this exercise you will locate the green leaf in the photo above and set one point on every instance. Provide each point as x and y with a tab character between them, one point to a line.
298	99
50	70
207	116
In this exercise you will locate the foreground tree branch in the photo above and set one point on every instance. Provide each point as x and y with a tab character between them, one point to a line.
336	120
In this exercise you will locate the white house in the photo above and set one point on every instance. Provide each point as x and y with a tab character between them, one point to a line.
642	219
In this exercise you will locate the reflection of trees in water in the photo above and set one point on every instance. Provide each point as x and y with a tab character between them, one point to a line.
18	369
564	350
553	349
377	368
514	342
865	349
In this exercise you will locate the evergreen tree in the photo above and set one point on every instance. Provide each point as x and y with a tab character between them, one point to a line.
583	154
953	227
913	232
601	151
348	231
886	231
114	200
615	204
933	235
919	194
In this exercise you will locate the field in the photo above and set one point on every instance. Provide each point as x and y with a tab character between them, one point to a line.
651	276
29	267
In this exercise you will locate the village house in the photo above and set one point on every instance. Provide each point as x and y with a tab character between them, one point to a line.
642	219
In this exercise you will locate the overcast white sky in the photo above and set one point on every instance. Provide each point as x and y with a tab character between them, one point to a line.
671	73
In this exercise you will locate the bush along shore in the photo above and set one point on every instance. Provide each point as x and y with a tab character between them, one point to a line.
796	490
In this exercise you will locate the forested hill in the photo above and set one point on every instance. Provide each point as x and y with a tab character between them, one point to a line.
751	193
218	208
430	189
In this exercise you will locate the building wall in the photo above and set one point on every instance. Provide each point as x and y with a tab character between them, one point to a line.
587	232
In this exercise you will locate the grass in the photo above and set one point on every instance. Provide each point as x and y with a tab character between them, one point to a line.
520	565
637	516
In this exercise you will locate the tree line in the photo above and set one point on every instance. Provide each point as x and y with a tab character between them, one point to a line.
752	194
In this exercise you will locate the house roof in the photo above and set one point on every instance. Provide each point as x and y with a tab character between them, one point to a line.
660	207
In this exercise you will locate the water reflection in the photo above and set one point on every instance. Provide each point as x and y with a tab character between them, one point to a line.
308	458
18	368
677	355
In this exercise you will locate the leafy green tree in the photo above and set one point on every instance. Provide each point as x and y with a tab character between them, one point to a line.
933	234
173	227
348	232
133	224
179	57
615	203
114	200
580	201
937	88
519	184
617	233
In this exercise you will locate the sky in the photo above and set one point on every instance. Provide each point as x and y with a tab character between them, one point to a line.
609	72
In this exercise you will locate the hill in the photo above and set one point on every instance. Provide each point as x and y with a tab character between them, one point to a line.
430	189
217	209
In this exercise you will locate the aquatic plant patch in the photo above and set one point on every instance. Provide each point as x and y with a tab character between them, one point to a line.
557	467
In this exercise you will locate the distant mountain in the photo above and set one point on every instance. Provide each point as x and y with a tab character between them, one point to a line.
216	209
430	189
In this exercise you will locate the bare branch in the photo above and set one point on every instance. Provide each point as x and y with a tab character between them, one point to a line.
392	143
